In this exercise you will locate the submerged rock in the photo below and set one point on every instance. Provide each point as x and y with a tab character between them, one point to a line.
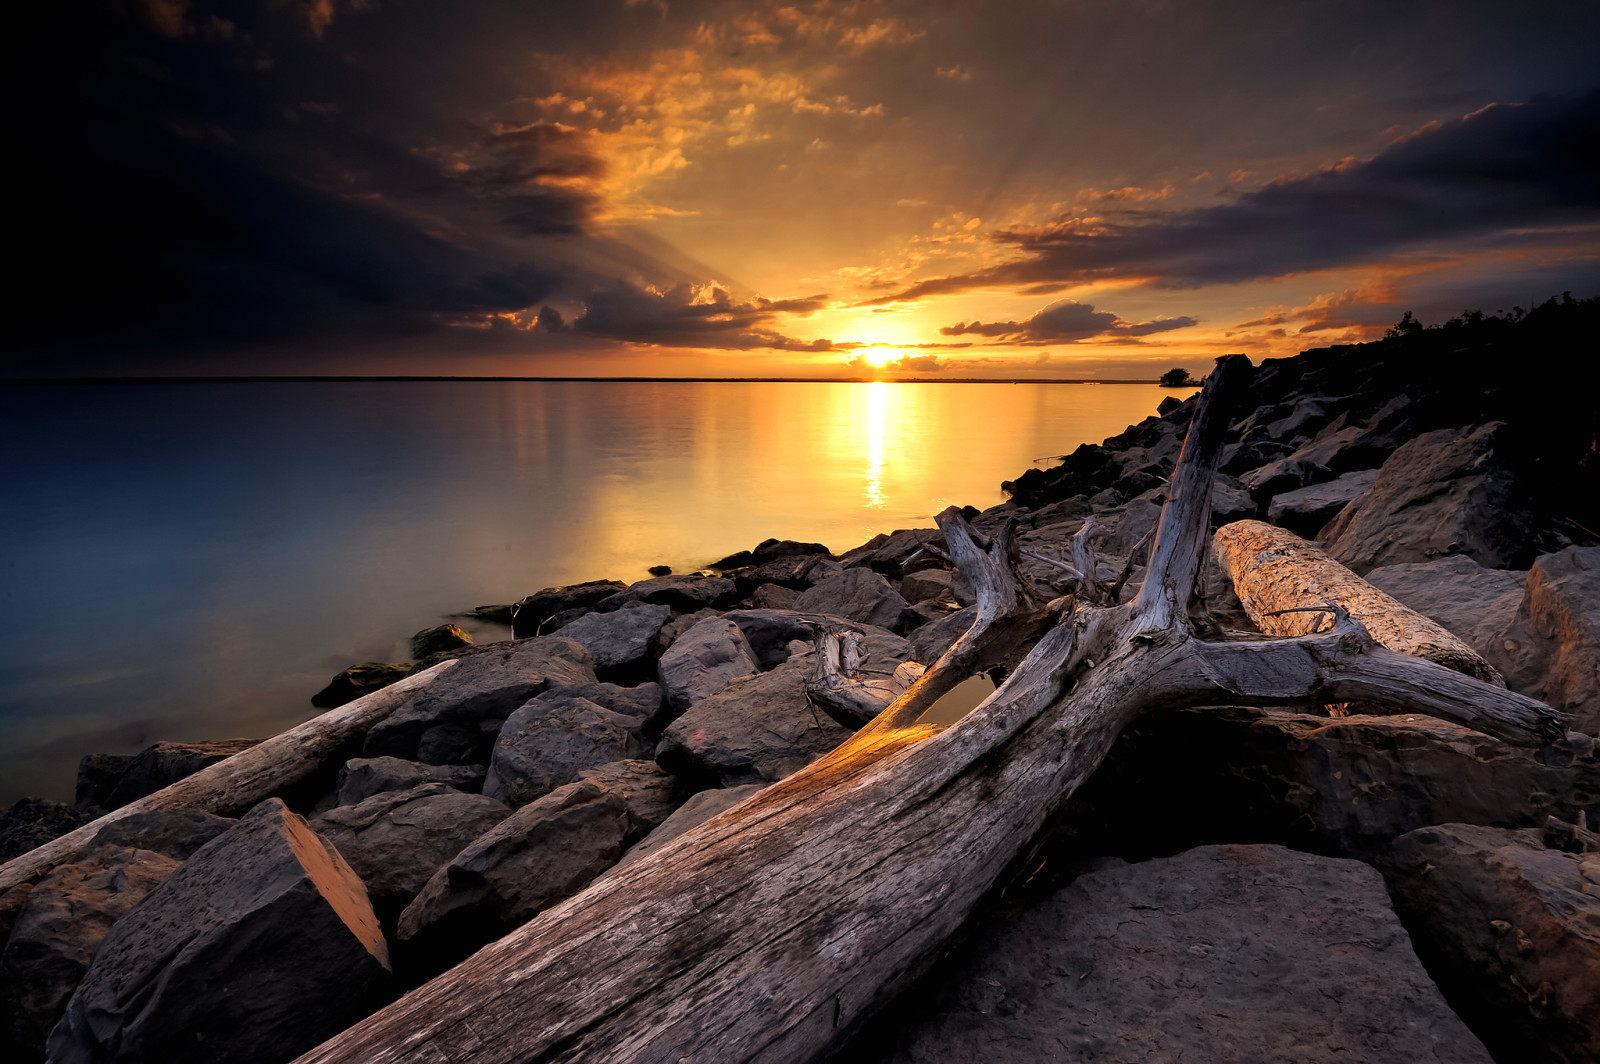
359	680
438	638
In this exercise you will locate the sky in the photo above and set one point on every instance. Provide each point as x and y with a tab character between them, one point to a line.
1035	189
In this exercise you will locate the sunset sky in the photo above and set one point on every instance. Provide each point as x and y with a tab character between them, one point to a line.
1085	188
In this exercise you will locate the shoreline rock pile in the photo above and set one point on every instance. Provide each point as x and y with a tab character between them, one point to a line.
1222	883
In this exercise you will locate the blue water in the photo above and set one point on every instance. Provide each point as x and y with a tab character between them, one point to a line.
193	561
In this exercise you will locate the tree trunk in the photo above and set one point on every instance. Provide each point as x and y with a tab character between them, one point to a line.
236	784
1281	580
768	932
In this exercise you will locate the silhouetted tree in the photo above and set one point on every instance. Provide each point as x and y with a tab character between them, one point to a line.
1177	377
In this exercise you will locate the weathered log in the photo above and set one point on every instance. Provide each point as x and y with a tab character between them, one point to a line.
766	933
238	783
1280	579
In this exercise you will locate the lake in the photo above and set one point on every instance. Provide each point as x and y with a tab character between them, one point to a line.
190	561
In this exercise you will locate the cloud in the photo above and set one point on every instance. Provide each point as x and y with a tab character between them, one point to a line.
1501	169
697	316
903	364
1066	321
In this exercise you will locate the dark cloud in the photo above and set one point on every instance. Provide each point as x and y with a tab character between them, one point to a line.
1066	321
1506	167
686	316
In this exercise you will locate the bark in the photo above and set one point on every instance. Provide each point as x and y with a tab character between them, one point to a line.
238	783
1280	579
769	931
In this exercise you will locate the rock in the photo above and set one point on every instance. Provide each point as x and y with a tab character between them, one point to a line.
620	642
163	764
769	549
1304	511
925	584
660	570
737	560
694	812
363	777
642	701
648	792
1230	501
65	918
547	742
1551	649
890	554
760	728
773	597
684	594
772	634
790	571
1474	603
174	833
1136	522
453	721
543	853
98	775
258	947
495	614
358	680
32	822
704	660
932	640
1445	492
856	595
396	840
678	625
529	614
441	637
1512	931
1223	953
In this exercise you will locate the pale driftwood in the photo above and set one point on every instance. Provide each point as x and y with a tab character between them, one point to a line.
1280	578
847	698
768	932
235	784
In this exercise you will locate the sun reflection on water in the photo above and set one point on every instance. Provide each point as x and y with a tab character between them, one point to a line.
877	415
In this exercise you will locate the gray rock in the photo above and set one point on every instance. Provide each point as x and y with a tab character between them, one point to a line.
932	640
925	584
453	721
684	594
547	742
771	634
678	625
362	777
257	948
758	728
857	595
1445	492
888	553
543	853
31	822
694	812
704	660
66	916
773	597
1223	953
1551	649
1512	931
396	840
1136	522
1304	511
1229	500
174	833
768	549
528	615
620	642
1475	603
440	637
359	680
98	775
649	793
162	764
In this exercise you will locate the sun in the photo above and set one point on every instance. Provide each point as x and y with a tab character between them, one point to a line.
878	356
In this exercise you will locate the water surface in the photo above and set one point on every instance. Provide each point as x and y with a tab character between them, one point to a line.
188	561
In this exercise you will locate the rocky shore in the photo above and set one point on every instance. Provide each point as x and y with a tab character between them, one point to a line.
1308	883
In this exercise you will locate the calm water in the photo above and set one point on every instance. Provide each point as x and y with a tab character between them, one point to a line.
194	561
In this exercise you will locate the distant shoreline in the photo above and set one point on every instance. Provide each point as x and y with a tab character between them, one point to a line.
13	382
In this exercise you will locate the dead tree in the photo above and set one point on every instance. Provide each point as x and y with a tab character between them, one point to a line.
769	931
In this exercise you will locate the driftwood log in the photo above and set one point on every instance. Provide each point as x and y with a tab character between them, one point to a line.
770	931
238	783
1282	581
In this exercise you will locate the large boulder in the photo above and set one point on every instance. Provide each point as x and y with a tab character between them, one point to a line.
528	615
66	916
1446	492
620	641
773	633
543	853
439	638
1474	603
930	641
161	764
359	680
98	776
694	812
1512	931
259	946
31	822
1304	511
704	660
396	840
1551	649
1223	953
649	793
684	594
760	728
362	777
175	833
547	742
453	720
856	594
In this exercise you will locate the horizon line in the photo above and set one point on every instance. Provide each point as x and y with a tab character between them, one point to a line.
354	378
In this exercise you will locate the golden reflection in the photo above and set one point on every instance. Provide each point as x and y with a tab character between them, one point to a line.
877	414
